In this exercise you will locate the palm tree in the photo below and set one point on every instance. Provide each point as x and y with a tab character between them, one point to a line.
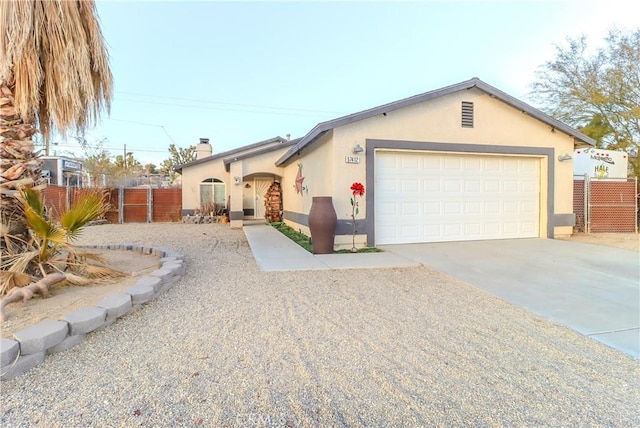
54	78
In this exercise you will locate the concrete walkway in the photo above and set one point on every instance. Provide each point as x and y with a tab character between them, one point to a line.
275	252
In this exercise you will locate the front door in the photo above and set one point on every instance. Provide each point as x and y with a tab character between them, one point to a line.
260	190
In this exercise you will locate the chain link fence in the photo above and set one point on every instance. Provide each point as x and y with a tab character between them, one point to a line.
605	205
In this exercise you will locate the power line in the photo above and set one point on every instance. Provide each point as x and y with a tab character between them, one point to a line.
231	104
147	124
225	109
111	148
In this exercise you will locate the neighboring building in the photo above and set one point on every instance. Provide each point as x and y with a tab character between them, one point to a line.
464	162
63	171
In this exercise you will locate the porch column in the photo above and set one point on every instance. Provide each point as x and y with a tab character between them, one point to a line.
236	214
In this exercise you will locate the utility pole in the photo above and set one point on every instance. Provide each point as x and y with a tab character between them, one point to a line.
124	157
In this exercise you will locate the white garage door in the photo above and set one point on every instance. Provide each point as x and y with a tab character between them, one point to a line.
428	197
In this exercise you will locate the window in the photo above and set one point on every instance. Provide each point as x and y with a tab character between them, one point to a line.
213	190
467	114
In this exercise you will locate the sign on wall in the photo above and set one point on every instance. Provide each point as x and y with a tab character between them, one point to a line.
69	165
600	163
352	159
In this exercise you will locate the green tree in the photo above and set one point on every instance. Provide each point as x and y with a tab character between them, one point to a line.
150	168
596	91
126	168
98	164
99	168
179	156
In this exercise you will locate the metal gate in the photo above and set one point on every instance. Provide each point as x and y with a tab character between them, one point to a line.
605	205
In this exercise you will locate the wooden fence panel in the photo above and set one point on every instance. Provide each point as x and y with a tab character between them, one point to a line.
55	199
135	205
167	205
112	215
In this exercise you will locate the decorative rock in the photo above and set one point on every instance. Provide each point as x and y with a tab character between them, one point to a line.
32	344
140	293
116	305
167	285
153	281
68	343
175	268
108	322
162	274
42	336
24	363
85	320
9	350
174	254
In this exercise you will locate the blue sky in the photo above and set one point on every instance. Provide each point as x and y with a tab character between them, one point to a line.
243	72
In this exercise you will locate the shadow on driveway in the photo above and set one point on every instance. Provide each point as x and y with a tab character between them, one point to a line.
592	289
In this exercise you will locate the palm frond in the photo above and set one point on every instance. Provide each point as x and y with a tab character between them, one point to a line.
101	272
74	279
83	255
33	199
9	280
54	53
19	262
45	230
87	208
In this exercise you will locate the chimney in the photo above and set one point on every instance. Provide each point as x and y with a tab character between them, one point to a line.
203	149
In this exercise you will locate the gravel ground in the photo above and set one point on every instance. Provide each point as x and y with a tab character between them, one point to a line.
230	345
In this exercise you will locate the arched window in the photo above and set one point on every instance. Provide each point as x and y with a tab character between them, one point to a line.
213	190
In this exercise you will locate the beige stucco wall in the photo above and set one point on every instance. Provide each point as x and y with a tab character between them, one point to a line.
438	121
194	175
262	165
318	172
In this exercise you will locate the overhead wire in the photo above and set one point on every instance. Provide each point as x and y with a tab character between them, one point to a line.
324	112
223	109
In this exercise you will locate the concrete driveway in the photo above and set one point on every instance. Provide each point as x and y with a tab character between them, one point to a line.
592	289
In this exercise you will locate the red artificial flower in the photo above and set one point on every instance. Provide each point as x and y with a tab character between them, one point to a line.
357	189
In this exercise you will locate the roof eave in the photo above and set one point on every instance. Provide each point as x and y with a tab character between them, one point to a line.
229	153
319	129
228	161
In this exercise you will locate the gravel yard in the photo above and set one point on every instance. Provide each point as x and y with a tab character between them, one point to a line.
230	345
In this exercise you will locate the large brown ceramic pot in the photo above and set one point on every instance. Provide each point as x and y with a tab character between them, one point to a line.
322	224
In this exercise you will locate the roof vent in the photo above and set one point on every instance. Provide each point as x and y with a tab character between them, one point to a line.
467	114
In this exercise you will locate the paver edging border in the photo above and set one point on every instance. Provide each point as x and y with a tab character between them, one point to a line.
93	318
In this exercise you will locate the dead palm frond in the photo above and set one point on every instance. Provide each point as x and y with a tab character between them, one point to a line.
90	265
96	272
53	54
9	280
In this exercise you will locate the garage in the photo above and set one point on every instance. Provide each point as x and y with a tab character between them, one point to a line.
435	197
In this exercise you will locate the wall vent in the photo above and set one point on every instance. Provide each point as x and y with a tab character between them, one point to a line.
467	114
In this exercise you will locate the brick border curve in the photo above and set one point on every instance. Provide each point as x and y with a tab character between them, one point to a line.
30	346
